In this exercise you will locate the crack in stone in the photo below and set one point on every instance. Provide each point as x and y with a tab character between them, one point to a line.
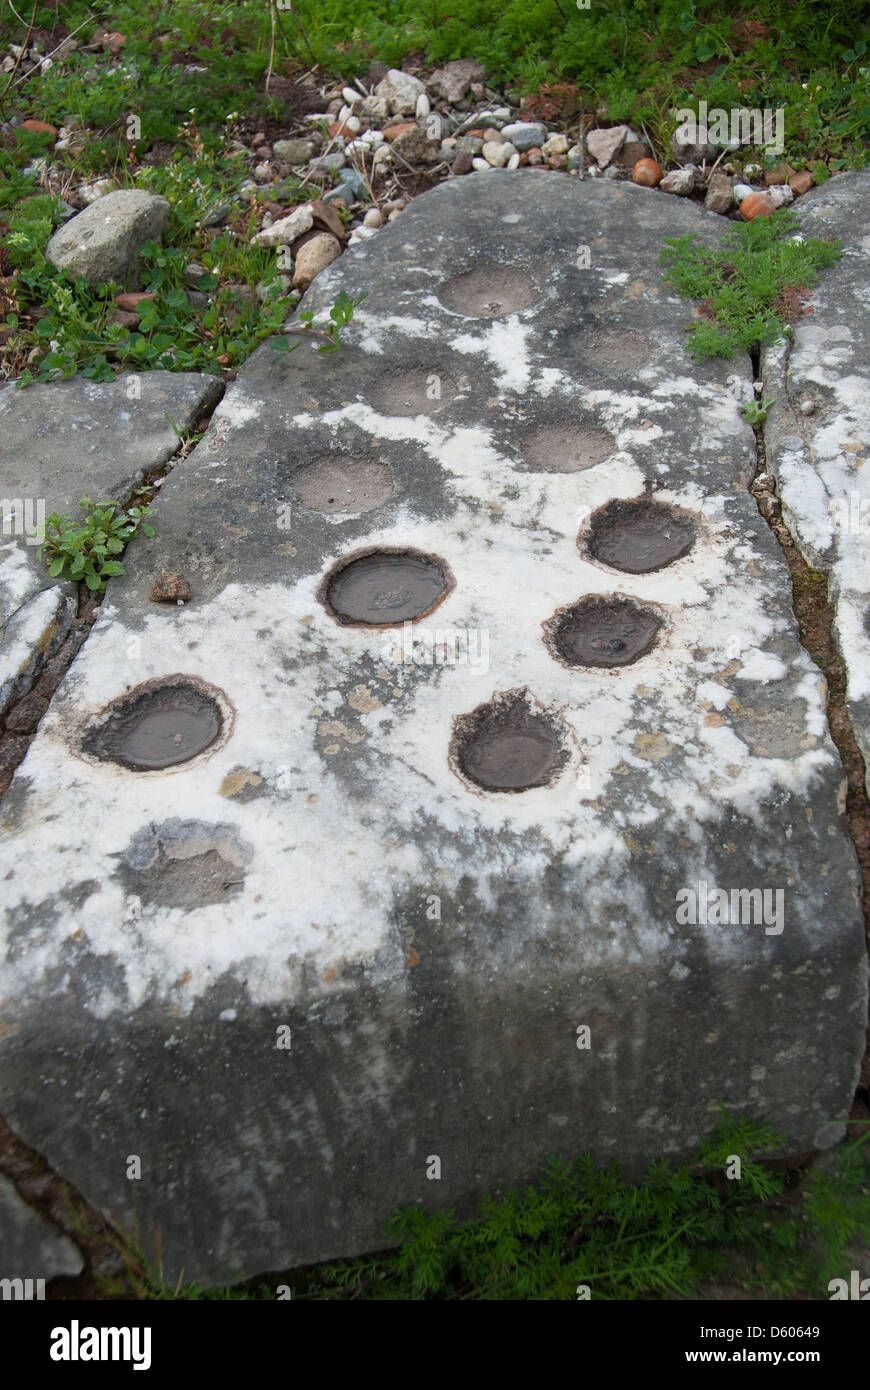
14	745
104	1249
814	613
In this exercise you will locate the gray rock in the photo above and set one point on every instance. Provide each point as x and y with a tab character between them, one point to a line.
469	144
691	144
287	229
424	949
679	181
298	151
818	457
330	163
453	80
376	108
217	215
525	135
415	146
103	242
720	193
400	92
31	1248
351	178
780	195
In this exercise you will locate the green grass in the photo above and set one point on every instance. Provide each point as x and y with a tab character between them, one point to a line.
191	73
752	287
635	59
771	1231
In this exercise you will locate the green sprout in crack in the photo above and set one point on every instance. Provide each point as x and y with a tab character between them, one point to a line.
752	287
340	315
88	550
755	412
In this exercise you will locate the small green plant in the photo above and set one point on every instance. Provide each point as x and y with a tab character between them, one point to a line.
755	412
751	287
340	315
87	550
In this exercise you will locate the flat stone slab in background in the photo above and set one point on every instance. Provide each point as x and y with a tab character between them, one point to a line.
62	441
291	972
822	460
31	1248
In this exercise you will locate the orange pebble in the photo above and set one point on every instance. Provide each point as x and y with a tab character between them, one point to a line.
647	172
756	205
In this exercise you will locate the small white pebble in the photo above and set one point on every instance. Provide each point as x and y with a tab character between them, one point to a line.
373	218
423	106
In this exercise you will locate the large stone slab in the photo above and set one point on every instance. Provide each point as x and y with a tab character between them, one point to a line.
821	458
62	441
290	972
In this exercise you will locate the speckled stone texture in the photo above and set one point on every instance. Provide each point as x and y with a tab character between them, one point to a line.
290	971
30	1248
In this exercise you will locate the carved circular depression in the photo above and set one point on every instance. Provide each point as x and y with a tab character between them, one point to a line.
417	391
602	630
568	447
488	292
621	349
639	535
158	725
342	483
385	588
508	745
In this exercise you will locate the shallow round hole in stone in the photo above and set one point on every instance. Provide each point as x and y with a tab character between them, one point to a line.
508	745
342	483
602	630
158	725
568	447
638	536
620	349
385	588
488	291
418	391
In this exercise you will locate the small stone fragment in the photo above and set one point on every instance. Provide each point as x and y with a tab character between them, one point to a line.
170	587
603	145
313	257
801	183
557	144
720	193
525	135
679	181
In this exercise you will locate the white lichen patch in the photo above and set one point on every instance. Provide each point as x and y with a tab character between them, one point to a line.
326	864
